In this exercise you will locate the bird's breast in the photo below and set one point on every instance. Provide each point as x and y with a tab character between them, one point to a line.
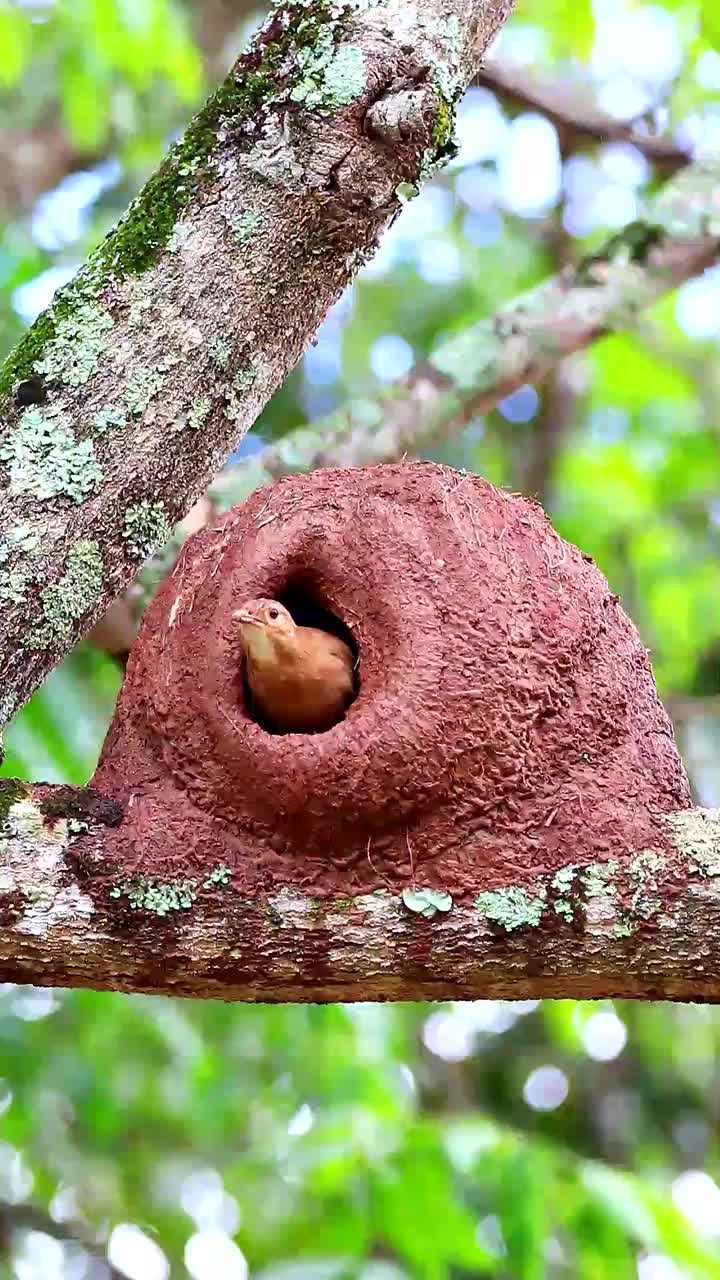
305	692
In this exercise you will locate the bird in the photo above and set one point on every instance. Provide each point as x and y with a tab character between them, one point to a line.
301	679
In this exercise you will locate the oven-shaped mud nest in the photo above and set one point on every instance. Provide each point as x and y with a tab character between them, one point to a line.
505	719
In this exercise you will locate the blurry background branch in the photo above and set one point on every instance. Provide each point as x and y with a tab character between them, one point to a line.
18	1220
523	342
677	238
568	104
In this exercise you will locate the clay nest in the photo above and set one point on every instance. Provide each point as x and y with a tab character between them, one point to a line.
506	721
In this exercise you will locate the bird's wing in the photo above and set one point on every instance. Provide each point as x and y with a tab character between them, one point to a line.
324	643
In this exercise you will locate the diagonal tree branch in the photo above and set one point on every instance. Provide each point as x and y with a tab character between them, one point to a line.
18	1218
123	399
569	107
522	342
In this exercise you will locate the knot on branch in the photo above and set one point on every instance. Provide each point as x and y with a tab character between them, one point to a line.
505	722
407	116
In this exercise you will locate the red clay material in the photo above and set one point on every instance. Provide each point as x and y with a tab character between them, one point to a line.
506	721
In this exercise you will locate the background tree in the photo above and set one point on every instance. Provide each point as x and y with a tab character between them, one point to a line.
396	1141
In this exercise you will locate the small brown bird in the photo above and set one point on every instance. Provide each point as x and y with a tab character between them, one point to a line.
300	678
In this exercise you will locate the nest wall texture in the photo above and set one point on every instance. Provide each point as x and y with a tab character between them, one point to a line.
506	722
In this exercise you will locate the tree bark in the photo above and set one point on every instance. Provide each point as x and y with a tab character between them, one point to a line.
125	397
648	928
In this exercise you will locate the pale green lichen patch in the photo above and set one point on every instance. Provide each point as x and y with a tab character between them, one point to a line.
21	542
147	894
142	385
562	884
23	538
597	879
80	339
110	419
512	908
14	585
220	350
218	877
330	77
242	382
407	191
199	412
244	379
563	879
622	929
146	528
64	603
696	833
44	460
246	224
643	871
426	902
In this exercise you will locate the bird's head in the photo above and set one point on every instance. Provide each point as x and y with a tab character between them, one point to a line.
264	624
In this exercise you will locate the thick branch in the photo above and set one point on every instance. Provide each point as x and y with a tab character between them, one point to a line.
568	106
649	927
522	342
157	359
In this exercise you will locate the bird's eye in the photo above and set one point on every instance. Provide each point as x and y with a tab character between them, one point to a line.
273	613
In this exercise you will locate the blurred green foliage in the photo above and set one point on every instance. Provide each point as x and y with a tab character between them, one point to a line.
385	1142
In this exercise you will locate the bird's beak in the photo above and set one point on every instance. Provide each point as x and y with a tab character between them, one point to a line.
240	615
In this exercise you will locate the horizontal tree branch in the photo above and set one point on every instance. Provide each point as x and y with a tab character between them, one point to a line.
678	237
569	107
124	398
649	927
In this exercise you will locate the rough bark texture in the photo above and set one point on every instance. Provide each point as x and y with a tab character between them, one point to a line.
159	356
503	695
648	927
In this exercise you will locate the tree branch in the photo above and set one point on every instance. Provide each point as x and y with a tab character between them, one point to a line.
526	340
18	1218
647	927
158	357
522	342
568	107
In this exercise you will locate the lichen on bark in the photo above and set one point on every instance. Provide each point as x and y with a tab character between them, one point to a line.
161	352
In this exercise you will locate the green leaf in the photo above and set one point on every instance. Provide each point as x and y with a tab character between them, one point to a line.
15	37
710	22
